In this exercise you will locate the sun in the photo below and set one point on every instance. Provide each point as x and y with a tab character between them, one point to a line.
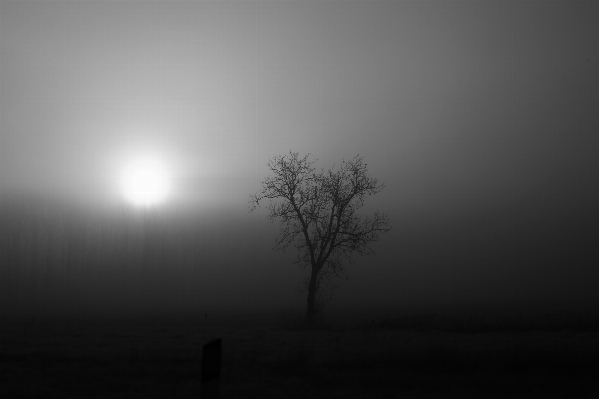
145	182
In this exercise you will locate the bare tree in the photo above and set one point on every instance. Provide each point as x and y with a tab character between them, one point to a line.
317	211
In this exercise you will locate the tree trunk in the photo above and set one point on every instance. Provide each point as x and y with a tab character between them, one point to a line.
311	311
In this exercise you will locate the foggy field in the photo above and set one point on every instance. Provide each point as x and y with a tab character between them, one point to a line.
83	299
273	357
172	172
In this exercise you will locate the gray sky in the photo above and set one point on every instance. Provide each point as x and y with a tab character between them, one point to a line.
480	117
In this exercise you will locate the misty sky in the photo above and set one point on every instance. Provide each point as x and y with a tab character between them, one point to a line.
481	118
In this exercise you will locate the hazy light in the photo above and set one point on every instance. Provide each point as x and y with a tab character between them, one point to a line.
145	182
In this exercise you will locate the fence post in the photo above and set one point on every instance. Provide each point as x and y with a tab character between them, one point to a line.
211	359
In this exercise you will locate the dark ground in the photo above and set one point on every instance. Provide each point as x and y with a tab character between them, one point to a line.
403	357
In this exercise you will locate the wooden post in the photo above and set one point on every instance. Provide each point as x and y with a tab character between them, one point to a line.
211	359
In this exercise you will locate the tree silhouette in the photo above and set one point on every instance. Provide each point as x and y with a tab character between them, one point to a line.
317	211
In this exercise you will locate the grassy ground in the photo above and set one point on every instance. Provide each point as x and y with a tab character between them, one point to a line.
401	358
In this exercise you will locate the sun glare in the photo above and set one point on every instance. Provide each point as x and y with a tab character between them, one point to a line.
145	182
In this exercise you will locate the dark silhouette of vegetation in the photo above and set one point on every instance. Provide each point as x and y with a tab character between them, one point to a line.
572	322
317	211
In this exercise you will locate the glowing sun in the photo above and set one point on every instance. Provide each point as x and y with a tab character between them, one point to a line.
145	182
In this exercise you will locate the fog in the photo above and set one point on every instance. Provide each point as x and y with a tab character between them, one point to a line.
60	260
480	118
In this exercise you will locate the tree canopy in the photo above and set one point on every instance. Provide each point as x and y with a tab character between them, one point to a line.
318	215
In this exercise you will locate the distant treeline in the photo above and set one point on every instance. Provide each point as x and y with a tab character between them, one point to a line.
56	258
571	321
